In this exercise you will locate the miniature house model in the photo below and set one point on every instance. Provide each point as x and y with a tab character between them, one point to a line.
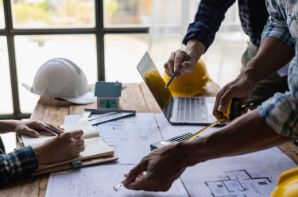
108	94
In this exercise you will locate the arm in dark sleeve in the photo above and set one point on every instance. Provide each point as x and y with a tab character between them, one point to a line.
207	21
17	164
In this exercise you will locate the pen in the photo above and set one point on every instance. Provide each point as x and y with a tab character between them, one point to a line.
51	128
186	58
171	79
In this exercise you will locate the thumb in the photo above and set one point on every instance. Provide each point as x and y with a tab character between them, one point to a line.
224	100
135	172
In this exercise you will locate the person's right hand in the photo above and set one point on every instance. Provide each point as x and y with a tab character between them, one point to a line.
241	88
181	62
60	148
184	61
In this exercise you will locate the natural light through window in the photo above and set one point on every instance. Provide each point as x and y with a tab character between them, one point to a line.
53	14
127	12
6	98
2	23
122	54
80	49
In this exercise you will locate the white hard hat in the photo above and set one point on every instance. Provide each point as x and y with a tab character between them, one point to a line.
61	78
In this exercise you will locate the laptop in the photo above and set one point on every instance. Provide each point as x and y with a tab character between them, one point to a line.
178	110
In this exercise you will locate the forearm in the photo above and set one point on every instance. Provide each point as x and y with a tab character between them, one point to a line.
195	48
17	164
247	134
272	55
8	125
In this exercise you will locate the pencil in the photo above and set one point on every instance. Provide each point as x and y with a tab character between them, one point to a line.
171	79
52	129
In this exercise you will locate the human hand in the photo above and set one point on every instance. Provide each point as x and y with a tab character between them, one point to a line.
32	128
64	147
184	61
181	62
240	88
158	170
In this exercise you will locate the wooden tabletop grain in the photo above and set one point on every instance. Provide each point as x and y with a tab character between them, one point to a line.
134	96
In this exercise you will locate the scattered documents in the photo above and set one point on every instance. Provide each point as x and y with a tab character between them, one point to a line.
98	181
250	175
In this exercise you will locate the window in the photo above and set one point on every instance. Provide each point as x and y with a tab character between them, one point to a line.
1	15
41	48
6	99
123	47
88	32
127	12
53	14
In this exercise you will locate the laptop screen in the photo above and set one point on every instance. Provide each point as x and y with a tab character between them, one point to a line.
154	82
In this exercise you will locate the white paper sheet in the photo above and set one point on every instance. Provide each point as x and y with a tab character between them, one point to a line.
131	137
250	175
99	181
30	141
76	122
71	123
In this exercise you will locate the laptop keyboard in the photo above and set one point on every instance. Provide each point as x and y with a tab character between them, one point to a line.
192	109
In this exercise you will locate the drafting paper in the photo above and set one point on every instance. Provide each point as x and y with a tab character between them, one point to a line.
250	175
131	137
99	181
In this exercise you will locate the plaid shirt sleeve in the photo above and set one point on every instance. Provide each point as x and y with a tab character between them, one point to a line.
17	164
280	111
276	25
207	21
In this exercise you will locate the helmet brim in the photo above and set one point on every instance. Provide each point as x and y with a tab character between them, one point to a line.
83	99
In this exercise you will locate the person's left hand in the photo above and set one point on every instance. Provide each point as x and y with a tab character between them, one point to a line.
31	128
158	170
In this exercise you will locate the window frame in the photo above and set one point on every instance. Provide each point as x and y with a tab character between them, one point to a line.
99	31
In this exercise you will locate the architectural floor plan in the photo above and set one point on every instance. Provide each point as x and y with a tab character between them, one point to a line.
239	183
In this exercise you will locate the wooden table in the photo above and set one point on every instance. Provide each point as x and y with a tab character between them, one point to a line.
134	96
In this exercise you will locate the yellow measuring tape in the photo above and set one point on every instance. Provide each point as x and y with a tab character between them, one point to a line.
193	136
226	115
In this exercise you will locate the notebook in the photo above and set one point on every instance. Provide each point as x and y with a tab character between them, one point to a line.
96	149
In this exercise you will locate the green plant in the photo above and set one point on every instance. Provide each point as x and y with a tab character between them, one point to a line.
24	12
111	9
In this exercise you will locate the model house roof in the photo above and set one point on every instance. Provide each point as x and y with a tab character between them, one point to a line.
108	89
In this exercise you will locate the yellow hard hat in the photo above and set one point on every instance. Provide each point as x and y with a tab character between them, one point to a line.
287	184
189	84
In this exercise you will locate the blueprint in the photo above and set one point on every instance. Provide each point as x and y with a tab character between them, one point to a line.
250	175
131	137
